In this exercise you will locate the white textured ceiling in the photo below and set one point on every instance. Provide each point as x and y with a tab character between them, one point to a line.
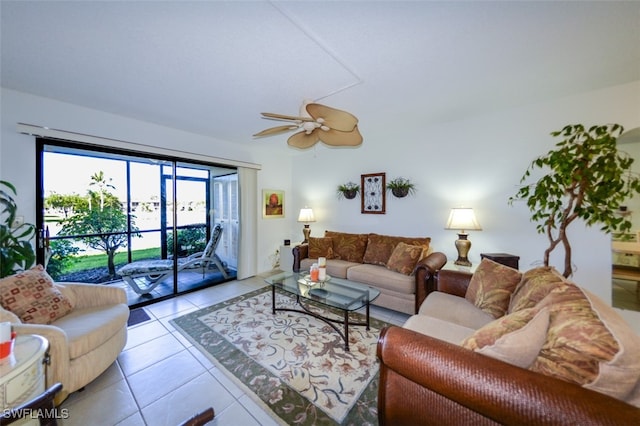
210	67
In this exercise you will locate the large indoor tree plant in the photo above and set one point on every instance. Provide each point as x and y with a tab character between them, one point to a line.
16	252
587	178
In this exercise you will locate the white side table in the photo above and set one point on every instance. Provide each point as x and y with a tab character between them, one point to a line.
286	257
22	374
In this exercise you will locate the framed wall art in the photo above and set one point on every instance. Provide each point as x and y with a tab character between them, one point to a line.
272	203
373	193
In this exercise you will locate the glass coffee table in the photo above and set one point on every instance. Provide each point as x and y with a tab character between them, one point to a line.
338	293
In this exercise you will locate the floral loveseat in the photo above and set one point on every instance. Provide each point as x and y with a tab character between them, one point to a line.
502	347
402	268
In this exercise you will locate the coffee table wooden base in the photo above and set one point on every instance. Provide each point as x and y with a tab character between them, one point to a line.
330	321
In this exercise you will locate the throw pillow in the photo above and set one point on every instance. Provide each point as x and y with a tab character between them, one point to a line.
380	247
515	338
535	285
589	344
349	247
404	258
33	297
491	286
320	247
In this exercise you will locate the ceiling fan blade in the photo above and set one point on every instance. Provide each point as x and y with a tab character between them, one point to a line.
285	117
303	140
333	118
275	130
338	138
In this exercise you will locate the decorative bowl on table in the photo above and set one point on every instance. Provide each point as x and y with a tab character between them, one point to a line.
307	278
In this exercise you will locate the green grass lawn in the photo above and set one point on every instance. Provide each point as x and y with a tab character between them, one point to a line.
83	263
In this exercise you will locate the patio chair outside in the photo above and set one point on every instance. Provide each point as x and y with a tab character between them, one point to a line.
145	275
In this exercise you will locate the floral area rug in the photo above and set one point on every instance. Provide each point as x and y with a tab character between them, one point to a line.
293	364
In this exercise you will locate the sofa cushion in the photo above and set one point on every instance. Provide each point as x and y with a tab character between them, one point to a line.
454	309
534	286
349	247
88	328
382	278
320	247
440	329
589	344
404	258
491	287
335	267
380	247
33	297
515	338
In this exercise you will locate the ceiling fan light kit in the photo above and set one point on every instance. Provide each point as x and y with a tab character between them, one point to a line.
317	122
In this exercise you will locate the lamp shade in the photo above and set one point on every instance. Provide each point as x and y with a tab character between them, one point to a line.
306	215
463	219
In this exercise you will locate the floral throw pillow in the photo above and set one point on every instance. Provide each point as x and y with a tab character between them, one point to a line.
380	247
349	247
320	247
32	296
491	287
515	338
404	258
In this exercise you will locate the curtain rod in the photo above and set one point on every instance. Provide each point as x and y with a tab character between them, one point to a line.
34	130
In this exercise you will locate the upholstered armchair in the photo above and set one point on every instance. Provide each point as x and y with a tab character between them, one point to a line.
85	340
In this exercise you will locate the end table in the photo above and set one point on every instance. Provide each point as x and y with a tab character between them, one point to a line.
503	258
22	374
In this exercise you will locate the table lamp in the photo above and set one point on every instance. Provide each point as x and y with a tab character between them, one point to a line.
306	216
463	219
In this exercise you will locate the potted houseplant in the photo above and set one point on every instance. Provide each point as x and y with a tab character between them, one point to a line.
348	190
401	187
587	178
16	252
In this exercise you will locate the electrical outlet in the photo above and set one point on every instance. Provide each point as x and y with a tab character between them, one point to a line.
19	221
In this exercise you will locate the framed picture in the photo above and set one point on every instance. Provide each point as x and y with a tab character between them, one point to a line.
272	203
373	193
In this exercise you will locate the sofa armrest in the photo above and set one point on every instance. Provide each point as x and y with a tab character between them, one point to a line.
453	282
90	295
424	380
299	252
424	273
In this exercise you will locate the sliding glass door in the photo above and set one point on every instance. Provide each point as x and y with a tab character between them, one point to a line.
138	222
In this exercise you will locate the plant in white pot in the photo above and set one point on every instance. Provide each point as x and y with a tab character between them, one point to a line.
587	178
16	252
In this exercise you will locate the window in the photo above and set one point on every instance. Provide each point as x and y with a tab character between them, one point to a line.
117	207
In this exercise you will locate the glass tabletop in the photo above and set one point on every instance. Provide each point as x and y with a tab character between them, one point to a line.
335	292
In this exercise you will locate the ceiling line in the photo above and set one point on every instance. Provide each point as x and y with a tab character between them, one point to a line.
289	16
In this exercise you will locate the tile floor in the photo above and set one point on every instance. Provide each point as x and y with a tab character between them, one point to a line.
161	379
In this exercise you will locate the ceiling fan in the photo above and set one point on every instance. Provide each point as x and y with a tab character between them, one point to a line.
317	123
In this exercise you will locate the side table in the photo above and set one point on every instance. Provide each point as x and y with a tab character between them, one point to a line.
286	257
503	258
22	374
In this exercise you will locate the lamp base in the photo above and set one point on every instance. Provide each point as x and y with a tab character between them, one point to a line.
306	231
463	245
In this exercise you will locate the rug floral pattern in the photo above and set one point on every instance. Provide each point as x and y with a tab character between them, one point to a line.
293	363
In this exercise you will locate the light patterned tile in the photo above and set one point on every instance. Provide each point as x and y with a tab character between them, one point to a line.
154	382
107	406
149	353
184	401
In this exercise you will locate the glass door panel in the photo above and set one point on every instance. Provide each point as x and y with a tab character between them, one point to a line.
142	215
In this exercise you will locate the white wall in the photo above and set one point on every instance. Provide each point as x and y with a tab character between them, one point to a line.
17	151
477	163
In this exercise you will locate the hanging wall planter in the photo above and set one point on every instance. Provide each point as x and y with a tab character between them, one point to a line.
348	190
401	187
